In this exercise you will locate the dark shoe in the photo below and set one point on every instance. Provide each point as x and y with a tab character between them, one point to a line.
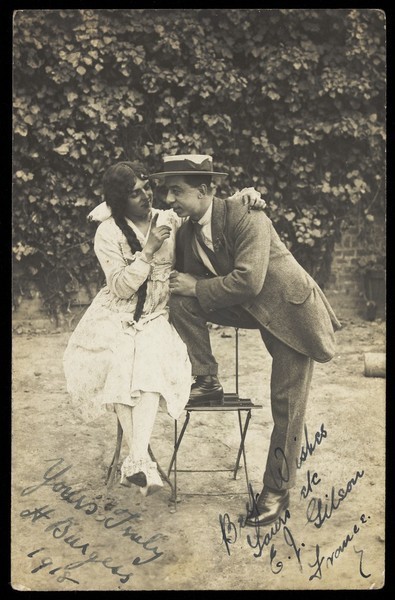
138	479
154	481
268	507
206	388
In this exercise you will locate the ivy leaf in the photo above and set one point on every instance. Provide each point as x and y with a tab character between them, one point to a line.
28	119
129	112
63	149
273	95
71	96
171	101
21	130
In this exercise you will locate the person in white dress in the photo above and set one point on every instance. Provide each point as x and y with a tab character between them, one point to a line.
125	355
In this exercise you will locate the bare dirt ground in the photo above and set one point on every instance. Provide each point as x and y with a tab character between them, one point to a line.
70	533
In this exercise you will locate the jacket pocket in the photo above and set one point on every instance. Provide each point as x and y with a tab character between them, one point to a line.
299	291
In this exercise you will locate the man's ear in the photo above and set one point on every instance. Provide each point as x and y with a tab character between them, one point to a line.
203	189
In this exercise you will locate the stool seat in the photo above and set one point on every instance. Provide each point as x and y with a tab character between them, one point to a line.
230	401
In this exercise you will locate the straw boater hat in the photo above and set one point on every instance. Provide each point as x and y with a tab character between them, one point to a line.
188	164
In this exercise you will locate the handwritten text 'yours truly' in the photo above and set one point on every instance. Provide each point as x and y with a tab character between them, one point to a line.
119	520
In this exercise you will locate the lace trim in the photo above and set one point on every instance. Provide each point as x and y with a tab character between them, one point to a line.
130	467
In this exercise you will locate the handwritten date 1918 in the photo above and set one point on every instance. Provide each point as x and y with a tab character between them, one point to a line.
46	561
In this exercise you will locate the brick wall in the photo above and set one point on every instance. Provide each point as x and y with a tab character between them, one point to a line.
346	288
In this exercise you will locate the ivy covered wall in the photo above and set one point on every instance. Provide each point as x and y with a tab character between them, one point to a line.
291	101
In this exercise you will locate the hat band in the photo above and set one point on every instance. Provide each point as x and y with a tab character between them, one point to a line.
187	165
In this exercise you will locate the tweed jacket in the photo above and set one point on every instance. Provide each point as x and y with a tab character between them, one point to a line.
257	271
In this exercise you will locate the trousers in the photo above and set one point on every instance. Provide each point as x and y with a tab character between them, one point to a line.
290	380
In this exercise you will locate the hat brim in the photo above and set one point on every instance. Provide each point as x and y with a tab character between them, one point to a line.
169	173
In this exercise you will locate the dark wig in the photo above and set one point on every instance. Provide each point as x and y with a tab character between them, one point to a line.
118	183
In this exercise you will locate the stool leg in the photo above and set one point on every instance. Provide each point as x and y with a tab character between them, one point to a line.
243	433
112	469
175	463
162	473
177	441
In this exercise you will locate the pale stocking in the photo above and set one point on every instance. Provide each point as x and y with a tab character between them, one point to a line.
137	424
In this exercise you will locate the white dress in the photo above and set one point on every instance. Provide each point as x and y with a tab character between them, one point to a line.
111	358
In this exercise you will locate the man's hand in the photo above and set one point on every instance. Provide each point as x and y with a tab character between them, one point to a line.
250	197
183	284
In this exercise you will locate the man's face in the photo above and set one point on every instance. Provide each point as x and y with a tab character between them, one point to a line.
184	199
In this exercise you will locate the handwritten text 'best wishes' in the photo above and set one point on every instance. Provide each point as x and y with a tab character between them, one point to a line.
318	512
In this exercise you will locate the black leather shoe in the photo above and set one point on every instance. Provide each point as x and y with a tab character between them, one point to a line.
268	507
138	479
206	389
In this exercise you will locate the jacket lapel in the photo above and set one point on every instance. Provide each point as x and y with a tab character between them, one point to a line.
221	245
218	223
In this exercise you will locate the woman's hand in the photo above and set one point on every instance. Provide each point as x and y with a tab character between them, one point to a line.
250	197
156	237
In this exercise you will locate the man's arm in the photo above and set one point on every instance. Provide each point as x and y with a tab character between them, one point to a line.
245	281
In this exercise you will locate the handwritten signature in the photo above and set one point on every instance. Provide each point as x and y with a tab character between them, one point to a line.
317	513
119	519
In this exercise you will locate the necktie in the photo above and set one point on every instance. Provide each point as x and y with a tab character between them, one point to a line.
197	228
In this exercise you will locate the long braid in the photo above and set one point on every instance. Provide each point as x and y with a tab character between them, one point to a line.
135	246
118	181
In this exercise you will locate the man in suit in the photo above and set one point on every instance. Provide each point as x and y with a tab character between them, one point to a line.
233	269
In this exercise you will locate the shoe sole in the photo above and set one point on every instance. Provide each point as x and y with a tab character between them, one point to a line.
204	403
209	400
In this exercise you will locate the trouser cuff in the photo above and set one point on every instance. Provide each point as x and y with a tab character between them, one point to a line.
205	371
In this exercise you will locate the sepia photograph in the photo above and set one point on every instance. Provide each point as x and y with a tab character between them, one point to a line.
198	299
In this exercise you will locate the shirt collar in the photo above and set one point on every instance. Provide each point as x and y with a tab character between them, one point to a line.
206	218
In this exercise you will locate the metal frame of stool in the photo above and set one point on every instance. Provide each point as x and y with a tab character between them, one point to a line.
238	406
